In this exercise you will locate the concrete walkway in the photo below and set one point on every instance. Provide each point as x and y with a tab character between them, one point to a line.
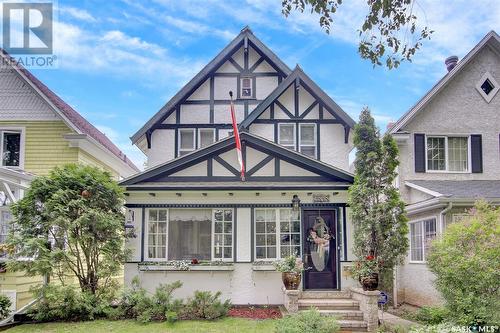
393	320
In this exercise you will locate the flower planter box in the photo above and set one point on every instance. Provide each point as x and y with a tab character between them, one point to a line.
191	268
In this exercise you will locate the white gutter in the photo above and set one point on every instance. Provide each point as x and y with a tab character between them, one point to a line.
442	216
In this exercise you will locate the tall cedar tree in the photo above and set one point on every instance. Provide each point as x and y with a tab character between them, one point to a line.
378	213
70	223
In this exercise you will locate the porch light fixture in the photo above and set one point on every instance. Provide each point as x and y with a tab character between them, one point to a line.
295	203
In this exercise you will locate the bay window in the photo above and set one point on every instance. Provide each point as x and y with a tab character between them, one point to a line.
186	234
277	233
448	153
421	234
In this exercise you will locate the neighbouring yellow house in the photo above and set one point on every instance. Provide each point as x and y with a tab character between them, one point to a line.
39	131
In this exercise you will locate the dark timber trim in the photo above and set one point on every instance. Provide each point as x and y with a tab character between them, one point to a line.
311	87
203	75
224	145
233	205
259	165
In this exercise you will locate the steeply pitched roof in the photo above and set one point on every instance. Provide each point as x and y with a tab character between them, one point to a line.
202	75
301	160
81	124
298	73
463	189
491	39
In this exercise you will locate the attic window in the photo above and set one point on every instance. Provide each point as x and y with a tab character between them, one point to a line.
246	85
487	87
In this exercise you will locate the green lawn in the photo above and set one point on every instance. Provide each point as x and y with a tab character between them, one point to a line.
227	325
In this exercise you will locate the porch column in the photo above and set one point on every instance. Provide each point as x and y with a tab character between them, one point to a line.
368	304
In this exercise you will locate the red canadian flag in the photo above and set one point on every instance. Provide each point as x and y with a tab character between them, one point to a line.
237	139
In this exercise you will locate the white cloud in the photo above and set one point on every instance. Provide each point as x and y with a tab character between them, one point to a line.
79	14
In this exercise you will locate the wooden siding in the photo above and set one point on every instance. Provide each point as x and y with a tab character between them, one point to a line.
87	159
21	284
45	146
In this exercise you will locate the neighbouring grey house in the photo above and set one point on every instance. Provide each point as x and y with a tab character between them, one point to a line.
191	205
450	157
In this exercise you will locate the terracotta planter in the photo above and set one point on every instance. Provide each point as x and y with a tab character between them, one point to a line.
291	280
369	283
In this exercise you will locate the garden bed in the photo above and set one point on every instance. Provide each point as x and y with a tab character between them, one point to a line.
252	312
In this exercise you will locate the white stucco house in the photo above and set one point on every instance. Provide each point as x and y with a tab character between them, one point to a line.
449	157
190	202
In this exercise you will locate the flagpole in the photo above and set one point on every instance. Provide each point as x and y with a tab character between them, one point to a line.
237	140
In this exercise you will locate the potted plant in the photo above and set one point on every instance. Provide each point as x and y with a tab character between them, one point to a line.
366	272
291	269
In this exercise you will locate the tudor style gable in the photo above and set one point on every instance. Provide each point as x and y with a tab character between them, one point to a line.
198	114
299	115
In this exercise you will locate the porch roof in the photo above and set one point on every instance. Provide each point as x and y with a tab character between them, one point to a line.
459	189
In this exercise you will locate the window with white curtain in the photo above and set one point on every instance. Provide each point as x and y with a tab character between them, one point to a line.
277	233
421	234
206	136
187	234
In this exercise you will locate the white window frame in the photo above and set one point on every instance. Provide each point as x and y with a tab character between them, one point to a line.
146	234
22	131
294	135
277	234
308	145
446	155
212	242
252	92
421	221
199	135
179	145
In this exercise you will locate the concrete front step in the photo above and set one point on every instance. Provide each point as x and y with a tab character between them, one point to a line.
325	294
353	325
329	304
343	314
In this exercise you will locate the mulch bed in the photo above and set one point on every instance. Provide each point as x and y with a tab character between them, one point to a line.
251	312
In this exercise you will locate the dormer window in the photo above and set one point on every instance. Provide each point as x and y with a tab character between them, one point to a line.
487	87
246	85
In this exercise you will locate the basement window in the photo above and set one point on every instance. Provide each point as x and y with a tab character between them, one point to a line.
487	87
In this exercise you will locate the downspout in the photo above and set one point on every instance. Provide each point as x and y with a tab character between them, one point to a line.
442	217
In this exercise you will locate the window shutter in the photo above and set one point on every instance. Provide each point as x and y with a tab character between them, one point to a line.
419	142
476	153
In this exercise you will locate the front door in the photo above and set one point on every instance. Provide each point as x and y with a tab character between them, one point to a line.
320	254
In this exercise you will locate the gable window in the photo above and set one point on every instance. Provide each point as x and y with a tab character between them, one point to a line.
187	142
206	136
186	234
487	87
421	234
246	84
10	148
447	153
286	135
307	139
277	234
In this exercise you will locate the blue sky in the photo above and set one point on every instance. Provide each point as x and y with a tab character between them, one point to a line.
121	60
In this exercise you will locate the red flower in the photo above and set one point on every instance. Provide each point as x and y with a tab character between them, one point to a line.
370	257
194	262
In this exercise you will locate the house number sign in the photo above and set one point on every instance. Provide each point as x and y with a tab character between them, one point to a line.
318	197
